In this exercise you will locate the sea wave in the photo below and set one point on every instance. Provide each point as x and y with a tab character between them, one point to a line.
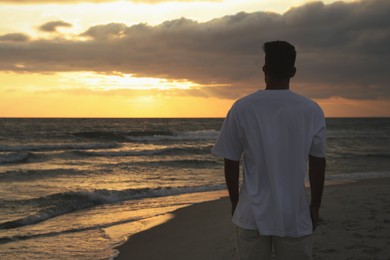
14	157
117	135
181	163
39	174
358	175
163	151
96	228
149	135
176	136
56	147
62	203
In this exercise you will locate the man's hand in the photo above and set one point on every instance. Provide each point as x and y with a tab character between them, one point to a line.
232	173
234	206
315	216
317	179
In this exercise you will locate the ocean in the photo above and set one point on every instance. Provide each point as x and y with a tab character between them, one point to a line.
76	188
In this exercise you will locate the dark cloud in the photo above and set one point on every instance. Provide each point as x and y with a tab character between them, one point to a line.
342	50
95	1
53	25
14	37
53	1
104	32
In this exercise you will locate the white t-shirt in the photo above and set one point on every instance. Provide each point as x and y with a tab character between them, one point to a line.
275	131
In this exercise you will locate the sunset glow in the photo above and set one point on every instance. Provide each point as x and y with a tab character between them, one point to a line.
183	58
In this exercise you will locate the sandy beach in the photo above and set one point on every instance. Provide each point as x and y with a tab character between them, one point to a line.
355	225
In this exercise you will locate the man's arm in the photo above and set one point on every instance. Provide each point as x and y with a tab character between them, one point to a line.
232	176
317	179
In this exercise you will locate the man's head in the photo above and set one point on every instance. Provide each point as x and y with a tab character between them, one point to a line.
279	60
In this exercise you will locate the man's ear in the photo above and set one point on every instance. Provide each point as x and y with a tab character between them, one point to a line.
294	70
265	69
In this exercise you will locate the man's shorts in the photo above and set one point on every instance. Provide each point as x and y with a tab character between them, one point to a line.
252	245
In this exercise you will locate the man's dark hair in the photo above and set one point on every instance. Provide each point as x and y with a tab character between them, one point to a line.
279	59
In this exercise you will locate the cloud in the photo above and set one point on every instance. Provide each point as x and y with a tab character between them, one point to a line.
14	37
160	1
53	1
103	32
95	1
52	26
126	92
342	50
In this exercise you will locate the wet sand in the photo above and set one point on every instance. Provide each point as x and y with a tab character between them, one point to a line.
355	226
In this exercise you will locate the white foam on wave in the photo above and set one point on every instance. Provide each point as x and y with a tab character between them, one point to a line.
64	203
112	196
145	152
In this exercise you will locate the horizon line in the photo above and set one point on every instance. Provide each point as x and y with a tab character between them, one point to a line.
330	117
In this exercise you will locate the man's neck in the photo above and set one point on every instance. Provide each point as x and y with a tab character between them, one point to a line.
277	84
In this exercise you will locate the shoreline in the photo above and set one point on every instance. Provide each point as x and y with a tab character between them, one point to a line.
355	217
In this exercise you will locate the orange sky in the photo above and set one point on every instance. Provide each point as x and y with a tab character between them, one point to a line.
183	59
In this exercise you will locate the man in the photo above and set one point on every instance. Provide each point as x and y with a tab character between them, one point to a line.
277	132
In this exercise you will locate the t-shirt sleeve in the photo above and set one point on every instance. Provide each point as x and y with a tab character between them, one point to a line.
318	145
228	144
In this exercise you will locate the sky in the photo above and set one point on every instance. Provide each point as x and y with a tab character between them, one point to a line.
183	58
